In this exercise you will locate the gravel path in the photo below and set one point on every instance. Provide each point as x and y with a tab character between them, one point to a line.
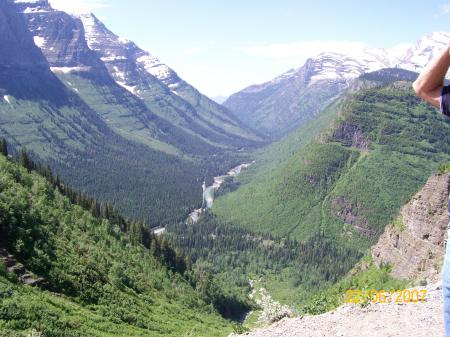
375	320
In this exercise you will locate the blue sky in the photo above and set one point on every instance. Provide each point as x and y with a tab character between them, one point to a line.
223	46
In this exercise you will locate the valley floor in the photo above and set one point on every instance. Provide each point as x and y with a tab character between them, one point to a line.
380	319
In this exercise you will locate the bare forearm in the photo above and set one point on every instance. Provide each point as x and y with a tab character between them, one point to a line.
433	75
430	82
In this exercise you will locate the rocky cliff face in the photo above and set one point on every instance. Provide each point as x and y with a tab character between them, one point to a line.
24	71
14	38
61	38
414	244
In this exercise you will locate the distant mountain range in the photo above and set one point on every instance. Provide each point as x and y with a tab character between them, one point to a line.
287	101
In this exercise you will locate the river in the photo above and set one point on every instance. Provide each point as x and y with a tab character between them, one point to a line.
208	192
208	196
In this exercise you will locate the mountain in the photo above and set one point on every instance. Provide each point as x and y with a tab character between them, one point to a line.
60	101
93	276
162	89
106	70
279	106
341	177
38	111
18	66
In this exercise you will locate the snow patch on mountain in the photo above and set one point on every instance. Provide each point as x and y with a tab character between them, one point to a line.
7	99
154	66
112	58
339	66
68	70
132	89
28	1
32	6
39	41
119	53
34	10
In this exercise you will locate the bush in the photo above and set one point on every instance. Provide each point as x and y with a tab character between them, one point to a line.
3	270
272	311
444	168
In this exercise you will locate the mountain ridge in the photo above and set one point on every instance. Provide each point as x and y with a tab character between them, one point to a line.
294	97
81	49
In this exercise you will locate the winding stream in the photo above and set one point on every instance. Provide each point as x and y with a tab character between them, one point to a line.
208	196
208	192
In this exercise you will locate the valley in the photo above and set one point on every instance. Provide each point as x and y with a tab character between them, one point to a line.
132	204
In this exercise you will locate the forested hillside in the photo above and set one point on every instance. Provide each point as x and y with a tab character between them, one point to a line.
354	168
101	276
354	176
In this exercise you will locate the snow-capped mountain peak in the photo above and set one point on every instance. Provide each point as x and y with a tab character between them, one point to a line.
32	6
123	57
416	57
339	66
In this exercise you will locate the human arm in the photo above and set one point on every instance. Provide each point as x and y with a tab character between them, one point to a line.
430	82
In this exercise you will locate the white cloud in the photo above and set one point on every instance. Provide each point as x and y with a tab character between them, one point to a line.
444	9
191	51
78	6
302	49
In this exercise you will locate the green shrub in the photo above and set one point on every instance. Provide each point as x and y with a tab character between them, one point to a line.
444	168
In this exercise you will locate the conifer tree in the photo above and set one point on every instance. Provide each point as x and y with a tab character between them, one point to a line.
25	160
4	147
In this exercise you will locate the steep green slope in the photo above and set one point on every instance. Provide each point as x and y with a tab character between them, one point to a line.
99	281
276	153
130	118
271	156
353	178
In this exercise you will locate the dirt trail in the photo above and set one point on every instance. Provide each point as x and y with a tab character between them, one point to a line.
422	319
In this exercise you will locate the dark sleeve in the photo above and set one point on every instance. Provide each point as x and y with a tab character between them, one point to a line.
445	100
